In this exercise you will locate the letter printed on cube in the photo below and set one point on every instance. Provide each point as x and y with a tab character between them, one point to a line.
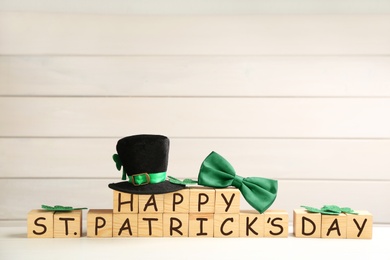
99	223
40	224
202	200
307	224
276	223
359	226
227	200
68	224
251	223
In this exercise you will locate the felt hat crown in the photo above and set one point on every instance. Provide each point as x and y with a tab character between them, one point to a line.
145	161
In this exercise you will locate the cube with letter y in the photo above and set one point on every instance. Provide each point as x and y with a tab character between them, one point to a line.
227	200
359	225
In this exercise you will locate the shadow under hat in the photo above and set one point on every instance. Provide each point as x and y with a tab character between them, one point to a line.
144	159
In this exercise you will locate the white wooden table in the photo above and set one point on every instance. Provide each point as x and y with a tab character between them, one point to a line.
15	245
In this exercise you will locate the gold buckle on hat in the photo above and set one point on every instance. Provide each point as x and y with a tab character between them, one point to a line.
140	174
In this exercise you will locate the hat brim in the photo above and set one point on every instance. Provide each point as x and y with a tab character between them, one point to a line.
158	188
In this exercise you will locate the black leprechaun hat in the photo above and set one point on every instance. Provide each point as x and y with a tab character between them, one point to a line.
144	159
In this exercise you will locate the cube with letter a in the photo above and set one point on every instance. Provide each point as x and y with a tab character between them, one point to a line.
334	226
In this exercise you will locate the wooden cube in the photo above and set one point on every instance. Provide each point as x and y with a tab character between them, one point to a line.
177	202
68	224
125	202
251	224
125	225
275	223
175	225
202	200
227	200
99	223
334	226
150	225
307	224
151	203
359	226
40	224
201	225
226	225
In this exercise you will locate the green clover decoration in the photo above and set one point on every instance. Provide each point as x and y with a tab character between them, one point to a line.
119	165
59	208
330	210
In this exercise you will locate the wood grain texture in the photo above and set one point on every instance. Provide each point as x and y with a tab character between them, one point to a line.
94	193
194	117
277	158
81	34
186	76
214	7
300	96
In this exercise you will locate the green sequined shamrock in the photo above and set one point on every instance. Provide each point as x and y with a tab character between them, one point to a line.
119	164
330	210
59	208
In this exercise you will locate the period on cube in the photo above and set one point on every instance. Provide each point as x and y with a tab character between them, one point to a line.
68	224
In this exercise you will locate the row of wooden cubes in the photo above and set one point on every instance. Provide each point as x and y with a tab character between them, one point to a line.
316	225
106	223
188	200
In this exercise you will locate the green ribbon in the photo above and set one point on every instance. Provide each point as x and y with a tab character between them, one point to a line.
216	172
142	178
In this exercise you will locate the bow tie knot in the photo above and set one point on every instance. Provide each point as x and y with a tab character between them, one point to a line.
216	172
237	181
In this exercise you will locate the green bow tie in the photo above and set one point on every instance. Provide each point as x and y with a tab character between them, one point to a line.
216	172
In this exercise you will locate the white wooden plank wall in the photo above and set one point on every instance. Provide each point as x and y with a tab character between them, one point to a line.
298	92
